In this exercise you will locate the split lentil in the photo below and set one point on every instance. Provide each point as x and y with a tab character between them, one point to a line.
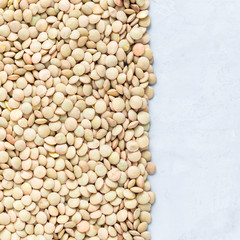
75	81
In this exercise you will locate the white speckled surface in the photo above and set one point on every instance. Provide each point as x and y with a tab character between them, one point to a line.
195	131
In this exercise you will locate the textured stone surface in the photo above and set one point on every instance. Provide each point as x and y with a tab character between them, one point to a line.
195	131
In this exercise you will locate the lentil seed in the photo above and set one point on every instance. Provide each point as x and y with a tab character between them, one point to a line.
75	82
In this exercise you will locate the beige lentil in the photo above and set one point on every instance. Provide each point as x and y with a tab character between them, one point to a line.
4	219
83	226
133	172
75	81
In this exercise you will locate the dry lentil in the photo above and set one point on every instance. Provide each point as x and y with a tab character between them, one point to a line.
74	86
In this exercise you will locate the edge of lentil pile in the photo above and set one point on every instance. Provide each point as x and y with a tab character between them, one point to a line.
75	81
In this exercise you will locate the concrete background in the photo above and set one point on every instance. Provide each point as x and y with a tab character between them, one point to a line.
195	128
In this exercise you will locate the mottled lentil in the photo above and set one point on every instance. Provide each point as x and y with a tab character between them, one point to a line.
75	81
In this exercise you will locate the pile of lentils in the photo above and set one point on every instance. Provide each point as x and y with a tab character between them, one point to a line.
75	80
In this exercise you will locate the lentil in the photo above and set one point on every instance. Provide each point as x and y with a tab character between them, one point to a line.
75	81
